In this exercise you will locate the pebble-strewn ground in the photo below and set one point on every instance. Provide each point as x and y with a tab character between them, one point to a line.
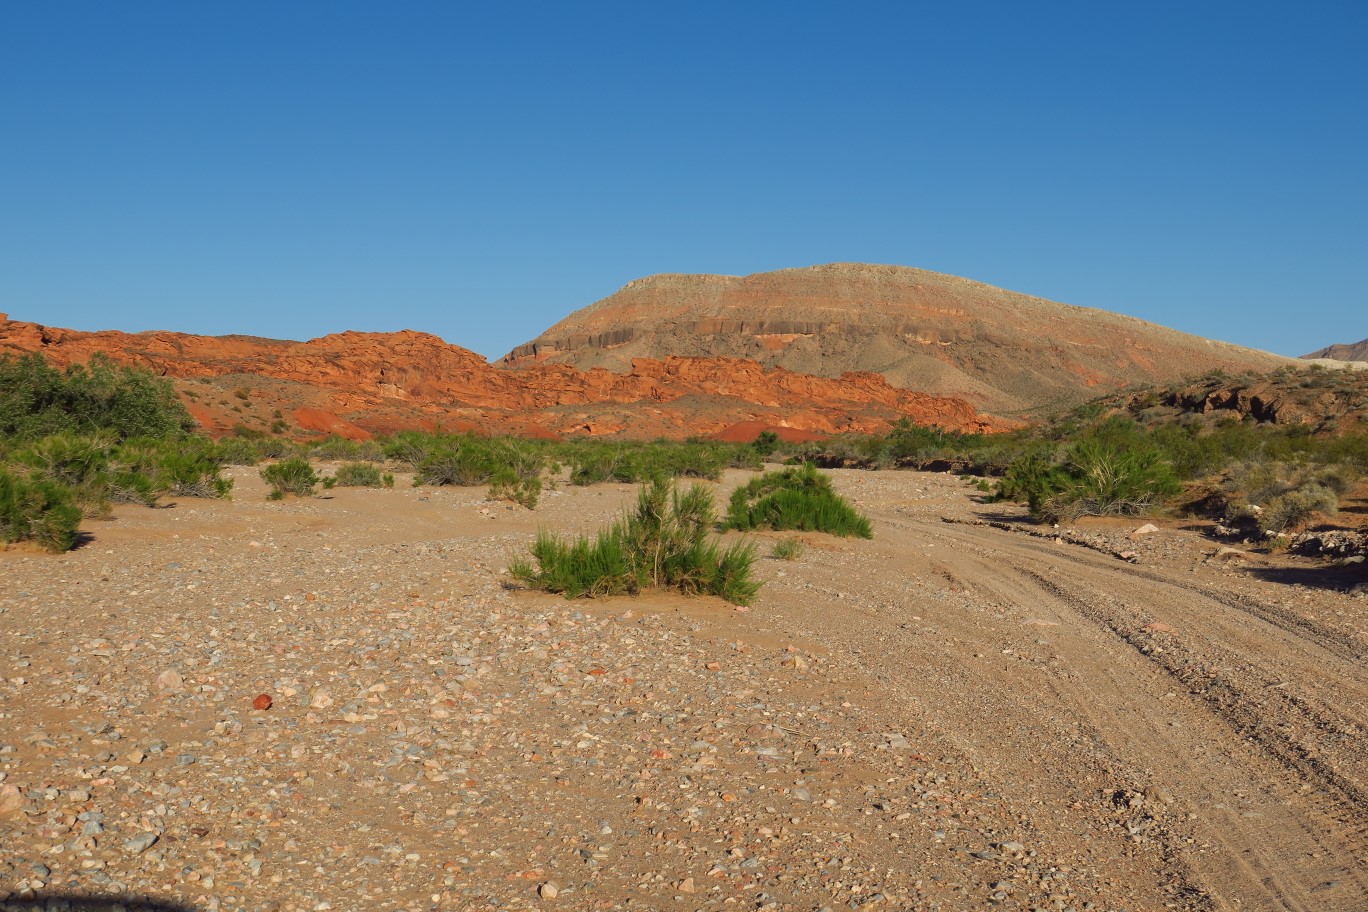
880	730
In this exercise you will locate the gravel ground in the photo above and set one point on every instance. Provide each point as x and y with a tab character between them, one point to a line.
908	723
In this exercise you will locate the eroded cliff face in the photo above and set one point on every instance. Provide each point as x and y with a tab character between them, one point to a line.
1002	351
355	383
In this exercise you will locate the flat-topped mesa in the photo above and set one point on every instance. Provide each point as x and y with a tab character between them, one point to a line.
944	335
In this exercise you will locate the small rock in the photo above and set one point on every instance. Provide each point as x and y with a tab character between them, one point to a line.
1146	529
170	680
263	701
140	843
11	799
548	890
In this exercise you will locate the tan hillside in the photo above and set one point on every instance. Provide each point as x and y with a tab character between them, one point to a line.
1356	352
1005	352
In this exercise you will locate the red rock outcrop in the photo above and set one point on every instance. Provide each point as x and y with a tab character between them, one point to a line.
355	383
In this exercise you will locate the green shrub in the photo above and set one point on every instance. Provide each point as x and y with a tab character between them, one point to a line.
595	462
336	448
787	549
412	447
77	463
664	543
505	484
795	498
362	475
290	476
454	462
765	443
1111	469
143	470
38	511
37	400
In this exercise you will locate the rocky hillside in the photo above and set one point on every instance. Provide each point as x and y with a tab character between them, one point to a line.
357	383
1326	401
1006	353
1356	352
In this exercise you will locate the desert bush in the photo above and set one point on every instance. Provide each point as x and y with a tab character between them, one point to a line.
337	449
664	543
37	400
290	476
1111	469
795	498
362	475
765	443
1275	496
38	511
596	462
240	451
412	447
1292	508
505	484
787	549
602	463
143	470
78	463
453	465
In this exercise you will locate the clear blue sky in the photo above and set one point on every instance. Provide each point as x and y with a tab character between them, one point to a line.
478	171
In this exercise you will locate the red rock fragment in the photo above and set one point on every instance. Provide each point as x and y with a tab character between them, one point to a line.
263	701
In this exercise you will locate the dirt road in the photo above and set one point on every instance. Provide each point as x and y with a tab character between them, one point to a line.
951	716
1236	708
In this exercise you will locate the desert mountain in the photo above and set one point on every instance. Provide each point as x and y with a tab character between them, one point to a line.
1006	353
353	383
1356	352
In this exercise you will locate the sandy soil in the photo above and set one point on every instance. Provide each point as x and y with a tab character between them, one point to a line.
951	716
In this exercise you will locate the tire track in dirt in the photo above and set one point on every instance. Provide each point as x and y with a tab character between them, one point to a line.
1315	803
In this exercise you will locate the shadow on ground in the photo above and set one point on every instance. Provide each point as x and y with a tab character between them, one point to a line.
1339	578
61	902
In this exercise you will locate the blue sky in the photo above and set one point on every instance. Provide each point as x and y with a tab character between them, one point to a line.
478	171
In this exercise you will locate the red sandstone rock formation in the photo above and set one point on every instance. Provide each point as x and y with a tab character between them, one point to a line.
355	383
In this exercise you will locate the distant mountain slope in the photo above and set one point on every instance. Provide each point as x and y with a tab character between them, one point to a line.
353	383
1356	352
1005	352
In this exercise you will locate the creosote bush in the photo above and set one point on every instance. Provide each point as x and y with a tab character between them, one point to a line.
799	498
665	543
